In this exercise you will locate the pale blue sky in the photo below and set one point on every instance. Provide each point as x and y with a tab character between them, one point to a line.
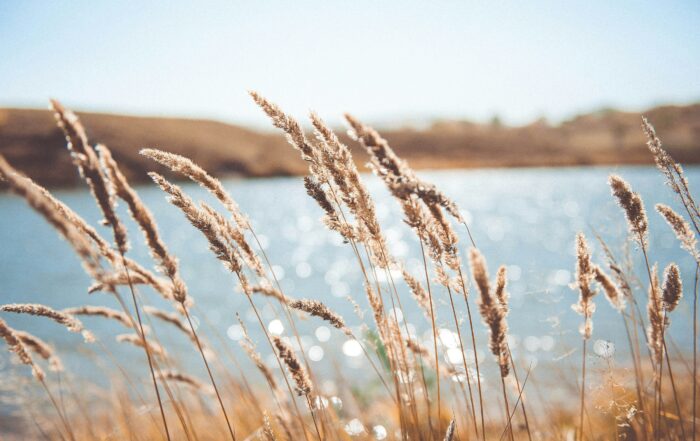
384	61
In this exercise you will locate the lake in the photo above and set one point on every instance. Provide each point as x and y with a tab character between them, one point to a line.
523	218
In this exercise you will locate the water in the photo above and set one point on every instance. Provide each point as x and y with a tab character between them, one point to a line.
526	219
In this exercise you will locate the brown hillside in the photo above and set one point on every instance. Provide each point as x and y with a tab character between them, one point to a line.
30	140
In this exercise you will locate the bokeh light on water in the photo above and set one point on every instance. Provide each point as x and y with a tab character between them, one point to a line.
524	219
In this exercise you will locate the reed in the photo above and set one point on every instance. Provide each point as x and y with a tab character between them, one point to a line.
42	349
585	307
100	311
493	305
426	382
67	320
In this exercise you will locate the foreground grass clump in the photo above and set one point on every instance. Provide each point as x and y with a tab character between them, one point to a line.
424	394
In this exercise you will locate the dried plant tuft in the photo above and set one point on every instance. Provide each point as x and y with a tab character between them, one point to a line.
633	206
298	372
584	274
69	321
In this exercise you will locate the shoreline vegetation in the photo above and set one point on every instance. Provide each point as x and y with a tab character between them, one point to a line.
31	141
476	389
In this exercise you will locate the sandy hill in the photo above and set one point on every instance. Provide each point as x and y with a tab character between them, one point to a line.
30	140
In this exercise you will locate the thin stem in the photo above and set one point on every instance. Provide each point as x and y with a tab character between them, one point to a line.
476	356
583	387
522	400
435	346
374	367
695	349
146	347
659	377
174	402
637	369
675	393
520	394
613	399
231	431
464	358
313	417
279	363
58	409
509	426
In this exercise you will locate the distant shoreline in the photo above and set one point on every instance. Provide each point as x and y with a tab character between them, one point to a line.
31	142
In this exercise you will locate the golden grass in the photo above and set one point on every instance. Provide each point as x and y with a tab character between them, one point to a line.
421	400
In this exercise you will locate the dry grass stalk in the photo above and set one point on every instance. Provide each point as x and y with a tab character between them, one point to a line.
201	220
186	167
71	323
395	172
16	346
450	433
289	125
249	349
42	349
103	248
493	307
222	248
88	164
612	293
171	318
267	433
655	339
110	281
103	191
189	380
331	164
655	314
298	372
236	239
618	272
136	340
501	293
101	311
338	162
284	424
419	294
38	200
675	177
427	219
167	263
331	218
417	348
672	287
633	206
318	309
268	290
584	275
681	228
334	180
105	282
218	234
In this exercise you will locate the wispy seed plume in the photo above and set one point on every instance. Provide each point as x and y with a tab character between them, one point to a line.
71	323
633	206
